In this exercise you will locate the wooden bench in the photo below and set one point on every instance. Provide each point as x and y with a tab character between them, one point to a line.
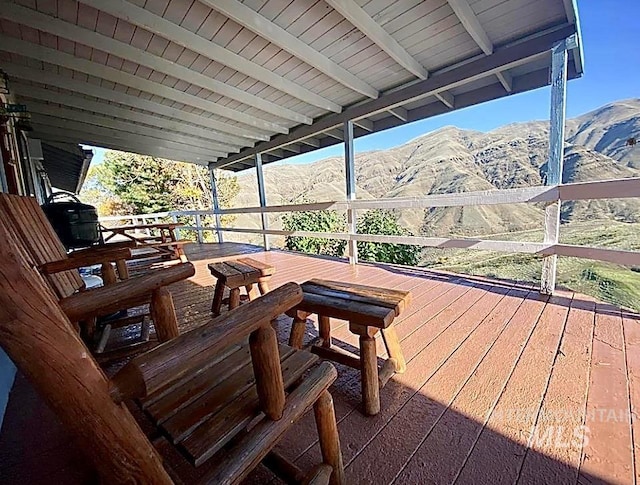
240	273
368	311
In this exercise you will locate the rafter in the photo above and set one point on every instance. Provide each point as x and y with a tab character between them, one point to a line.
369	27
206	127
56	134
312	142
131	139
53	56
447	98
66	30
160	26
400	113
364	123
120	124
275	34
472	25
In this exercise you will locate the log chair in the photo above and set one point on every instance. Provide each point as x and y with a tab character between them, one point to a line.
186	373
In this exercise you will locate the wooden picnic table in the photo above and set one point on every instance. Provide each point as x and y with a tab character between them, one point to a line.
166	242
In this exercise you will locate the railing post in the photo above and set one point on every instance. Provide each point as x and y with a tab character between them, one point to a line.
262	195
350	173
216	205
556	159
174	217
199	228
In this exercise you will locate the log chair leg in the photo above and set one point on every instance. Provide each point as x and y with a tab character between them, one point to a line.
123	271
163	313
234	298
394	350
264	287
298	329
369	375
108	274
265	359
179	252
252	292
218	293
328	435
324	327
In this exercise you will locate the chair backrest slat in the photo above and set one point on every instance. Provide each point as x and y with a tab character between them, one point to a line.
40	239
38	337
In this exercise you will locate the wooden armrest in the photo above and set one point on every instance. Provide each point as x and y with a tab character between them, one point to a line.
168	362
106	247
88	258
122	294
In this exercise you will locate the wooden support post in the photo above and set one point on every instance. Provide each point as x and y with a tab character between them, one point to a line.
265	359
298	329
350	173
163	313
234	298
123	271
218	294
324	328
555	161
262	195
369	375
252	291
216	204
263	285
199	229
394	350
328	435
108	274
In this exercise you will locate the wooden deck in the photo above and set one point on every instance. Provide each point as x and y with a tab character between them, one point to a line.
503	385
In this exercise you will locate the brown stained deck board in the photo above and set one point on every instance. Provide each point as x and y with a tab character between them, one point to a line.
476	347
495	458
608	452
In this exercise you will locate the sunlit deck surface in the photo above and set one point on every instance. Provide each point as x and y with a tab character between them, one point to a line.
491	364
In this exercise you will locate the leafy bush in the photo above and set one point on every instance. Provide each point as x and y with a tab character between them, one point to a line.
317	221
380	221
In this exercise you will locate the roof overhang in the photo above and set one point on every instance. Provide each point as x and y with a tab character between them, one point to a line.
215	83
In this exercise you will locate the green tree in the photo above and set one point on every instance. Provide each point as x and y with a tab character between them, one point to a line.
317	221
383	222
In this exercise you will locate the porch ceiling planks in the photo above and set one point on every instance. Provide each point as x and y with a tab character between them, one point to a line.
225	75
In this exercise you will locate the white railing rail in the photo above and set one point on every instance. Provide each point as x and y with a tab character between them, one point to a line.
607	189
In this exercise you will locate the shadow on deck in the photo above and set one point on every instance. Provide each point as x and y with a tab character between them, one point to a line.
503	385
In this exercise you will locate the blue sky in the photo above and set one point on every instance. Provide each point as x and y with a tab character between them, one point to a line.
611	40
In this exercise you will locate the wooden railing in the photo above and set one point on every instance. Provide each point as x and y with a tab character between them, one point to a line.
609	189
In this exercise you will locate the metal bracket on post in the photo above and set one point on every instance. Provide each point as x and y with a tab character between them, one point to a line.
216	205
263	200
556	158
350	172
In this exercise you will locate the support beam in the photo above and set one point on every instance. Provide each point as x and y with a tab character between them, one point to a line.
75	33
446	98
364	123
262	195
216	203
400	113
160	26
506	80
350	175
250	19
312	142
293	148
335	133
125	125
351	11
131	139
58	58
555	161
102	108
57	134
519	53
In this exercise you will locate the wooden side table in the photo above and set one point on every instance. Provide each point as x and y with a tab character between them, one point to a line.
240	273
368	310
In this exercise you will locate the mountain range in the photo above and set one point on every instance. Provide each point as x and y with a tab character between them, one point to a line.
451	160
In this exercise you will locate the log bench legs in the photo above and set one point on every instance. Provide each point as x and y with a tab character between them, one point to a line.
372	378
163	313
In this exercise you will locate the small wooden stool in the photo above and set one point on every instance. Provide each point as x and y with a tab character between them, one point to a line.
368	310
236	274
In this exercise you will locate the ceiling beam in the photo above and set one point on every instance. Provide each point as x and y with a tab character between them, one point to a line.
206	127
374	31
168	30
293	148
400	113
447	98
335	133
132	140
312	142
122	124
66	30
275	34
364	123
518	53
53	56
470	22
56	134
472	25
